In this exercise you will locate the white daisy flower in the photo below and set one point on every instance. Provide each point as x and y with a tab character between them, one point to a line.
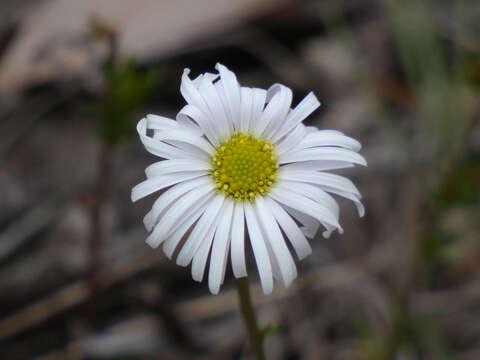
239	159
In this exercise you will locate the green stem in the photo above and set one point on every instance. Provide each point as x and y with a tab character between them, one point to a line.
248	313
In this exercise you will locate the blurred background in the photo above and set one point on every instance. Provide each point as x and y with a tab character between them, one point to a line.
77	280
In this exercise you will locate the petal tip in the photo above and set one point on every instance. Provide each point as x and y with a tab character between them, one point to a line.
305	254
151	242
197	278
182	262
134	196
326	234
268	291
214	289
362	161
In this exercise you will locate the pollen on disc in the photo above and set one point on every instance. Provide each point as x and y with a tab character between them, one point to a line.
244	166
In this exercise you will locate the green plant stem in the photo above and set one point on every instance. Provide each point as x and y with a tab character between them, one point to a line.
248	313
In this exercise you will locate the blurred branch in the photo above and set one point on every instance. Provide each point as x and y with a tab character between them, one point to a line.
125	90
74	294
447	301
20	231
27	116
101	183
326	278
100	192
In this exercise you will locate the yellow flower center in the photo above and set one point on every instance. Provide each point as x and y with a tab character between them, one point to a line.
244	166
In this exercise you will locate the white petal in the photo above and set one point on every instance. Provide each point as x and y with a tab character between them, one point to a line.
327	138
309	226
191	217
206	123
308	105
276	272
316	194
246	105
220	246
223	101
215	105
237	249
198	234
320	178
206	75
317	165
200	257
349	196
189	151
186	136
229	86
290	228
187	123
323	153
279	99
259	249
305	205
275	238
313	129
157	122
155	147
169	196
332	183
173	216
157	183
259	97
293	138
312	192
176	165
192	95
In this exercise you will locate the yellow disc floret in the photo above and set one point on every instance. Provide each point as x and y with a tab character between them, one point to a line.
244	166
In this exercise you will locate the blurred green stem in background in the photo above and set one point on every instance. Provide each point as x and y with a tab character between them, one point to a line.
248	313
125	90
443	102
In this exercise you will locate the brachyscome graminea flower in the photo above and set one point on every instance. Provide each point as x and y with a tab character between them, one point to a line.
240	158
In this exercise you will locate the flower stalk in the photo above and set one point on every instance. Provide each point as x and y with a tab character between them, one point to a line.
248	313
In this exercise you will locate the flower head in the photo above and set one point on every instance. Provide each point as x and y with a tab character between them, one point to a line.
236	159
